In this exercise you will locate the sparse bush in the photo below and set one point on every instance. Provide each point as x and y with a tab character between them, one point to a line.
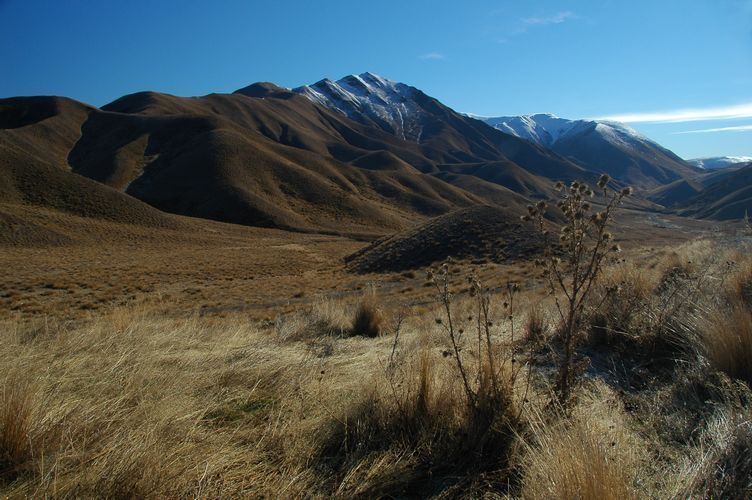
573	265
15	425
495	379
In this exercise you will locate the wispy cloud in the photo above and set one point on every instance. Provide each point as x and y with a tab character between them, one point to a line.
557	18
432	56
685	115
739	128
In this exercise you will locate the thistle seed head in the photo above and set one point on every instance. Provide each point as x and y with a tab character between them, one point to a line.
603	181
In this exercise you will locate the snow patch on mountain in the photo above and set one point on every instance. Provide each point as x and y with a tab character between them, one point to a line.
547	129
389	104
717	162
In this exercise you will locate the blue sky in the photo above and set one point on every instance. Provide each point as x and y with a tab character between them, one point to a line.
639	60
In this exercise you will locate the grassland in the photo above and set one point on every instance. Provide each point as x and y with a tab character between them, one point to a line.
228	363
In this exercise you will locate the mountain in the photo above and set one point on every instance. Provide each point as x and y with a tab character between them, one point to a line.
372	100
604	146
445	136
716	162
263	156
380	158
729	196
721	194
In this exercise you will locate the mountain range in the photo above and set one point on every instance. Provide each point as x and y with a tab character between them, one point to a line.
610	147
362	156
716	162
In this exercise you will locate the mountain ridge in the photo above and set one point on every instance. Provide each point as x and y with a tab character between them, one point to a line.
613	147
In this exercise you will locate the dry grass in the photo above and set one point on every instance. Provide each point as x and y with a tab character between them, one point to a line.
16	403
537	324
727	342
740	284
723	467
135	403
414	434
368	320
589	456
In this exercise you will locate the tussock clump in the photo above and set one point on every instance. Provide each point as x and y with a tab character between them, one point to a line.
537	326
621	308
725	470
420	436
740	285
727	342
15	426
588	456
368	320
325	318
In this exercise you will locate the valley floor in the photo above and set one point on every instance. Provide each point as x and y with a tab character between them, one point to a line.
213	268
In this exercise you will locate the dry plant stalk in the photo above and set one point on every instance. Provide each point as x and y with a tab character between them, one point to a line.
584	243
497	373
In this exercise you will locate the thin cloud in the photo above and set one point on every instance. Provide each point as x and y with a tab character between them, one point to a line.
432	56
557	18
739	128
685	115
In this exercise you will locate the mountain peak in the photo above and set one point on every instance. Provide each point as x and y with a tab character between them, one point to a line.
264	89
371	99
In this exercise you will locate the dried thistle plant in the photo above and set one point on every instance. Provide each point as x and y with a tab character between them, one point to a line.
573	264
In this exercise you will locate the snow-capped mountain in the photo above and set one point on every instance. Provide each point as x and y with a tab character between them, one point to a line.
717	162
409	114
442	135
605	146
367	97
547	129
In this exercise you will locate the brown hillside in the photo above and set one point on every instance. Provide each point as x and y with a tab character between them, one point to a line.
482	233
262	157
35	139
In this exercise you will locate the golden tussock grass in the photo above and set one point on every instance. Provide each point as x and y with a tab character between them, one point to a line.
589	456
16	405
727	342
133	403
368	320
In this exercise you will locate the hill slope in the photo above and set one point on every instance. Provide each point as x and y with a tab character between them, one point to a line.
728	197
36	135
480	232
